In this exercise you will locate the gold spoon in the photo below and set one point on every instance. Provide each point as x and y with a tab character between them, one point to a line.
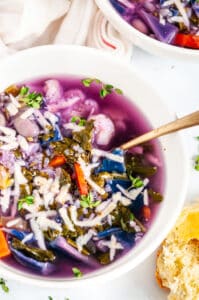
182	123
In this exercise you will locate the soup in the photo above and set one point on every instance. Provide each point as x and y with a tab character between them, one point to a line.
71	200
174	22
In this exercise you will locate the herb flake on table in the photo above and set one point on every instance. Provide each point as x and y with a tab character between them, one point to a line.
196	166
3	285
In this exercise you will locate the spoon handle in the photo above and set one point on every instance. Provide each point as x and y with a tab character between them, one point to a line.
182	123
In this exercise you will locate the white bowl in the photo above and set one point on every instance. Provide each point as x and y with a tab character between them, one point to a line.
142	40
52	60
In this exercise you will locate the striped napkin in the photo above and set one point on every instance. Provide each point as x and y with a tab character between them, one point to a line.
29	23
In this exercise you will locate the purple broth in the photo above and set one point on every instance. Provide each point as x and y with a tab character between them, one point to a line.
131	122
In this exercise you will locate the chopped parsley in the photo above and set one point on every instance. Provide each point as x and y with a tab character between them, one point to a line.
24	90
196	166
3	285
136	182
105	90
87	81
77	273
88	202
132	217
28	200
79	121
31	99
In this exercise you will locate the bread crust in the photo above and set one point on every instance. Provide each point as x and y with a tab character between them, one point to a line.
177	259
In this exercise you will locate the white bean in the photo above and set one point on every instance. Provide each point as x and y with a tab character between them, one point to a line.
26	127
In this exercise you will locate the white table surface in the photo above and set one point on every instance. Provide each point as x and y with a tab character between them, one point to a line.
179	82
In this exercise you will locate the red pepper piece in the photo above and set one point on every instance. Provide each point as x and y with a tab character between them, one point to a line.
146	212
187	40
57	161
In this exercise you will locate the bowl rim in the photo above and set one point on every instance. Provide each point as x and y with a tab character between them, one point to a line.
136	36
126	267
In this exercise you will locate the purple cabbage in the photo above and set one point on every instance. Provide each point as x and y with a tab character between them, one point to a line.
164	33
61	245
127	239
44	268
121	8
109	165
19	234
195	7
108	232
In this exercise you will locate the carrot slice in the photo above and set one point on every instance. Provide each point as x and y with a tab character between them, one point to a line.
81	181
57	161
4	249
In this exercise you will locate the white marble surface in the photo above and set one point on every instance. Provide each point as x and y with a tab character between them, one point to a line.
178	81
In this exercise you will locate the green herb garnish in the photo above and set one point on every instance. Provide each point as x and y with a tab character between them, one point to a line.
31	99
106	89
87	82
136	182
24	90
118	91
88	202
196	167
132	217
77	273
50	298
3	285
28	200
79	121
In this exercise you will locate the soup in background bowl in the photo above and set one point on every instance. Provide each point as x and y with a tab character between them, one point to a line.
171	22
165	28
74	206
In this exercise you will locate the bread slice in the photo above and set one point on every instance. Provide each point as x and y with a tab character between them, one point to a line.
177	266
